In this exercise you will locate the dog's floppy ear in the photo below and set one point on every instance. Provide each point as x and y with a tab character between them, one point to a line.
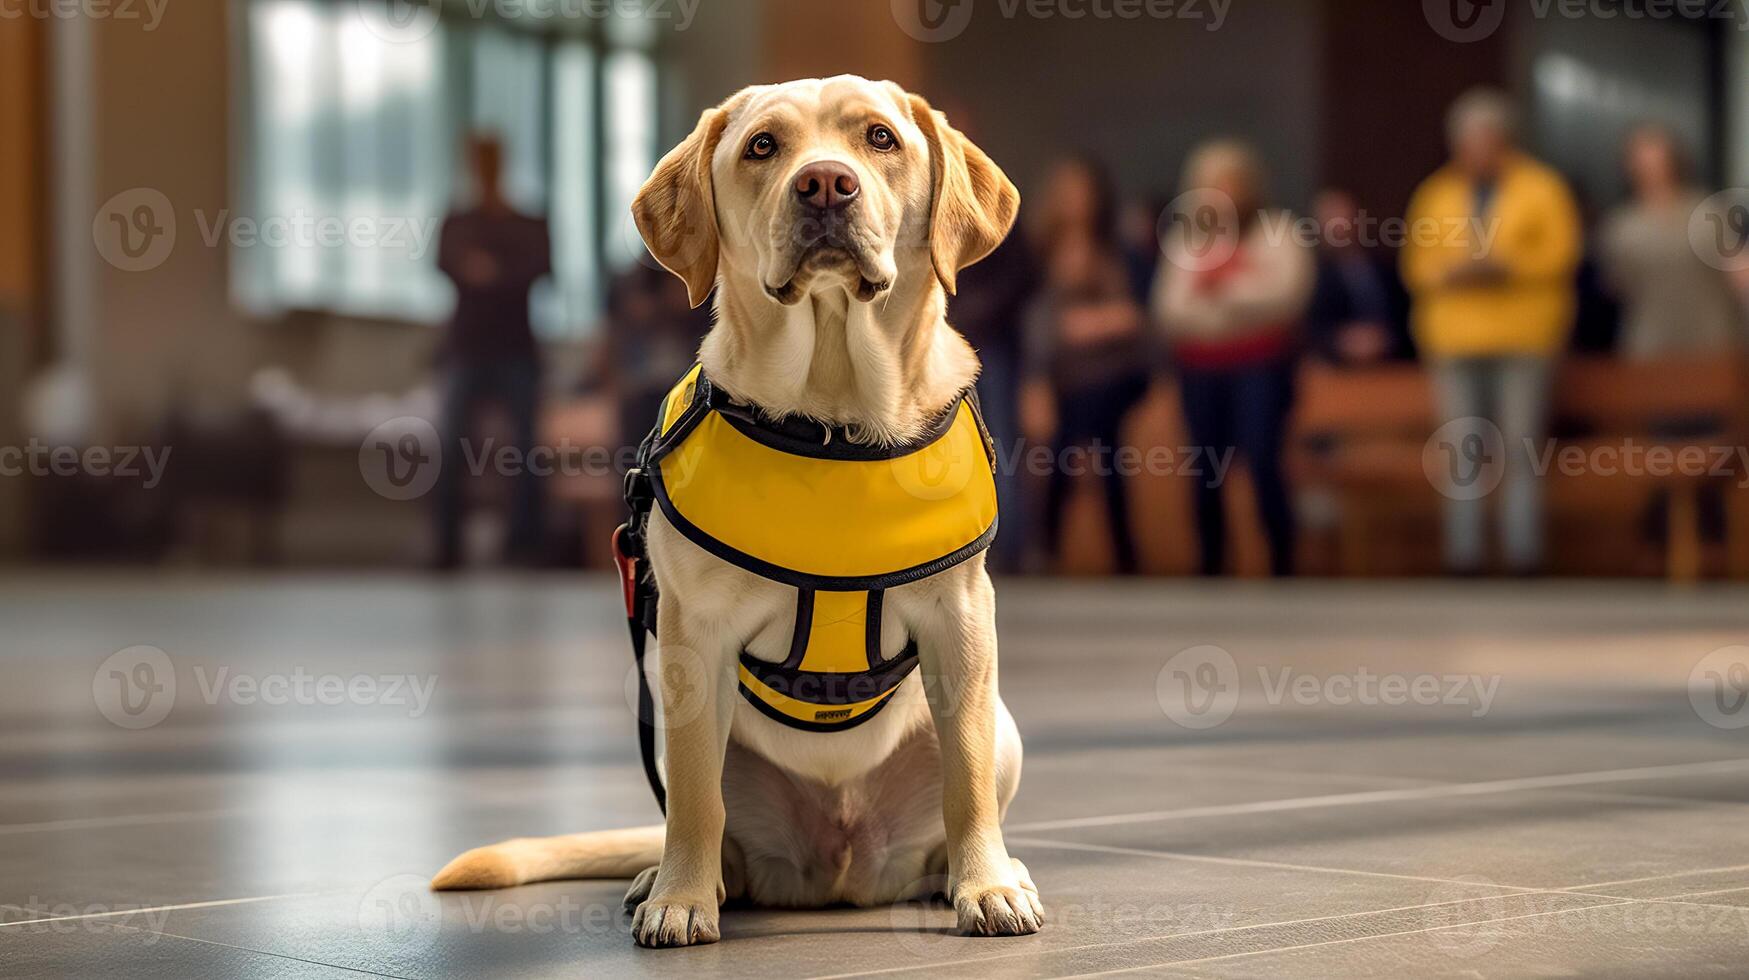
676	208
974	204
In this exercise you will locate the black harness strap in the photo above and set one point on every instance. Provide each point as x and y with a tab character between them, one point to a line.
629	554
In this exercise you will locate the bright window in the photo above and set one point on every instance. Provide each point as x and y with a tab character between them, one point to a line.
352	140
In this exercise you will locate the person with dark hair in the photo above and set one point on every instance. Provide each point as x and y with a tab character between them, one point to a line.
494	255
988	308
1230	299
1674	302
1358	311
650	335
1086	354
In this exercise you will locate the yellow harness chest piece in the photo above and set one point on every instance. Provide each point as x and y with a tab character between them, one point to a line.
795	502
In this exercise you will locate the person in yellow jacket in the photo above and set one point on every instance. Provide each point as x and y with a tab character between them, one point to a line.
1493	247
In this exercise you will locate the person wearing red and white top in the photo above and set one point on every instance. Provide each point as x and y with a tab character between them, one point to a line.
1230	300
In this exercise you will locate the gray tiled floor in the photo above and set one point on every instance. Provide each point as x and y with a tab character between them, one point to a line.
1589	821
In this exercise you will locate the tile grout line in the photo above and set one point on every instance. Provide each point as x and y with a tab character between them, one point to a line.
1440	791
262	952
1680	874
1253	863
1338	942
1580	890
1217	932
1717	891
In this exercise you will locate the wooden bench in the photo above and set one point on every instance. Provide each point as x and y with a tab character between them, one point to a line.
1360	435
1691	407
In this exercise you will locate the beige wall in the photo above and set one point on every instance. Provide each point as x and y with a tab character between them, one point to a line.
159	120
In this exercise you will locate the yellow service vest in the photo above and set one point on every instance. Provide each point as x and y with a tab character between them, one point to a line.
796	502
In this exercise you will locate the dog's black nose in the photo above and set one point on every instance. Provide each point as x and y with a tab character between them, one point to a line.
826	186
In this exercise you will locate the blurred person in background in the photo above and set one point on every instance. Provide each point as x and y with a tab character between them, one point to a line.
988	309
1086	358
1357	314
1674	303
494	255
652	335
1231	298
1493	307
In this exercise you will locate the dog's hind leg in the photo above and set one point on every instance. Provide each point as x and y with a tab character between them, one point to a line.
598	854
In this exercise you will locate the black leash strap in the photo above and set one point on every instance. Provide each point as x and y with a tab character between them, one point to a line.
640	599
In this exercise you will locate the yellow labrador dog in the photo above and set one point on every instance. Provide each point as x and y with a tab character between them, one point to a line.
839	321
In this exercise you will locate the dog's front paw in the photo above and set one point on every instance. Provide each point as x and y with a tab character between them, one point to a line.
1001	908
642	886
674	921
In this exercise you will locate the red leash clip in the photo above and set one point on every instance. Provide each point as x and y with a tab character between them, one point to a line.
628	572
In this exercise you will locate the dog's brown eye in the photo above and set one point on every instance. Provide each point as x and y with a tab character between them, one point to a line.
761	147
882	138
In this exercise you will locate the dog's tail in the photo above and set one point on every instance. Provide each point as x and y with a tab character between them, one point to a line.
599	854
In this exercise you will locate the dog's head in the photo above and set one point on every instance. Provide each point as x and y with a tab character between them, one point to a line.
819	184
